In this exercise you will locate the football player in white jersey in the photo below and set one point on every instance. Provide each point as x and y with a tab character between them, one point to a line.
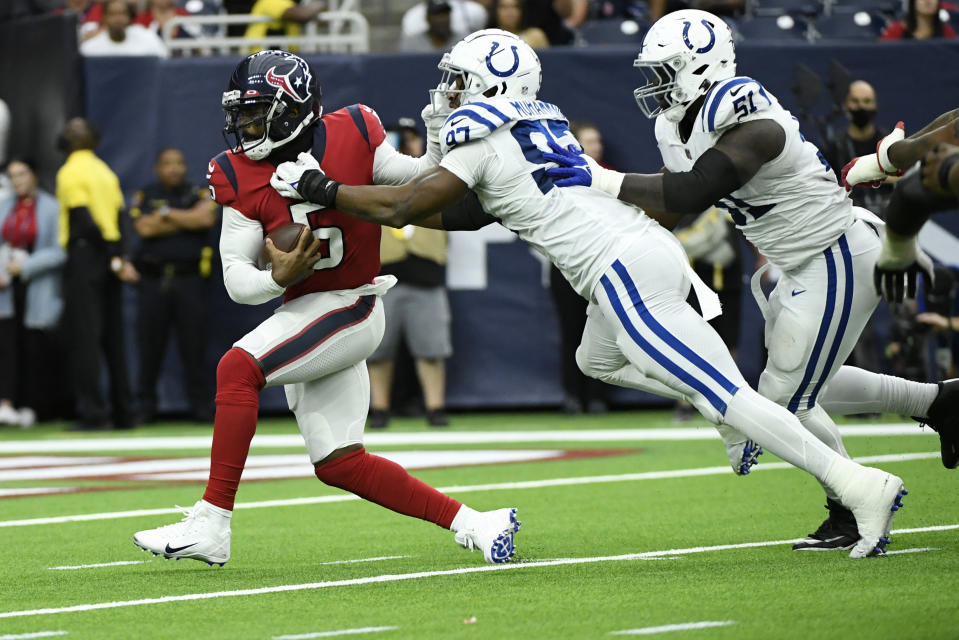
932	186
726	140
640	331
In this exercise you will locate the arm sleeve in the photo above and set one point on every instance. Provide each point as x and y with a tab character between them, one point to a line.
911	204
240	242
712	177
466	215
395	168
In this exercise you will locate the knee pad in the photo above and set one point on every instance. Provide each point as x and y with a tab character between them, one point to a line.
788	343
773	386
583	362
238	377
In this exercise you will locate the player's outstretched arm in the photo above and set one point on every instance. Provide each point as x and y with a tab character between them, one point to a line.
413	202
735	159
942	130
895	153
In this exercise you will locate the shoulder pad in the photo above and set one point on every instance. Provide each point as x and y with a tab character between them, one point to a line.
470	122
731	101
221	177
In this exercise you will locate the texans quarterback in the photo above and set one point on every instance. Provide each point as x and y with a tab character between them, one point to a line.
317	341
726	140
640	331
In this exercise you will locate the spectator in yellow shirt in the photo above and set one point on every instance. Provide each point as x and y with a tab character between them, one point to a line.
288	16
90	204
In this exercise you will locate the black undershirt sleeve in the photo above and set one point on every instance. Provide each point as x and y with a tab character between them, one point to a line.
911	204
466	215
712	177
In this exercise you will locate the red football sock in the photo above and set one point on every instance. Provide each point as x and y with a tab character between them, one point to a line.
238	384
388	484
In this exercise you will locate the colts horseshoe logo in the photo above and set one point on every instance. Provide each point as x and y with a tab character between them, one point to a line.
709	45
494	70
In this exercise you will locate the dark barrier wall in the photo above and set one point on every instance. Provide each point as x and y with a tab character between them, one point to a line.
41	80
505	333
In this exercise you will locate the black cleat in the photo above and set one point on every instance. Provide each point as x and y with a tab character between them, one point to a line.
437	418
839	531
943	418
379	418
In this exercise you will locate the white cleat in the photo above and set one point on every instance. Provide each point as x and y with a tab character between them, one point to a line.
491	531
742	451
203	534
874	497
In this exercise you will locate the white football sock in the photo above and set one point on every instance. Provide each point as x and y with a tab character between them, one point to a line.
220	511
818	423
853	390
462	518
778	431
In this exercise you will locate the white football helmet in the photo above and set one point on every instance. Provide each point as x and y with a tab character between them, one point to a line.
683	55
490	63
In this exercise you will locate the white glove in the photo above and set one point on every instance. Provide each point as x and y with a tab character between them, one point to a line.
882	150
898	266
875	167
606	180
436	113
287	175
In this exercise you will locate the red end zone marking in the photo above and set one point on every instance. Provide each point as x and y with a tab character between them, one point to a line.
152	472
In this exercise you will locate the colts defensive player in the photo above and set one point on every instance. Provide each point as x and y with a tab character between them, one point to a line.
640	331
725	140
317	342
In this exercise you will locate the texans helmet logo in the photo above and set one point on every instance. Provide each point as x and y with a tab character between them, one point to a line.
284	83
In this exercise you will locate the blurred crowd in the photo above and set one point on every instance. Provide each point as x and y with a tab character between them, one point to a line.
136	27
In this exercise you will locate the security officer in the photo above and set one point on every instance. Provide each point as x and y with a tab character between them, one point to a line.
90	206
173	219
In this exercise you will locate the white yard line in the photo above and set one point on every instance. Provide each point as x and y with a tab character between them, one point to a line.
705	432
530	484
915	550
35	634
330	634
365	560
401	577
666	628
94	566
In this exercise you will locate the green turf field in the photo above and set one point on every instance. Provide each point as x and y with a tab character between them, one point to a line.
609	543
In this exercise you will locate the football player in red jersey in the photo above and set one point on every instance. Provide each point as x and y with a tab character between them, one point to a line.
317	342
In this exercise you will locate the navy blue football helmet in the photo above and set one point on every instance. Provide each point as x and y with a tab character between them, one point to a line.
272	98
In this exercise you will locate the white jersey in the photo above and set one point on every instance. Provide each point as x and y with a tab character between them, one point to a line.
496	148
793	208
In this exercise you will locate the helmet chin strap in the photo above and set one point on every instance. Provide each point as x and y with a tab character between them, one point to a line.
675	113
268	145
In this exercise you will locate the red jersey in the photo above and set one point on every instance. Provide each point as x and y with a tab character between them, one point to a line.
344	143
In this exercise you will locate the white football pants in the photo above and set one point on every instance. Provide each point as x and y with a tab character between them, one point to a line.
316	346
641	333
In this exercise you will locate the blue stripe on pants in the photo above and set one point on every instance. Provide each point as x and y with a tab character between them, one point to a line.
665	335
823	330
843	320
656	355
318	331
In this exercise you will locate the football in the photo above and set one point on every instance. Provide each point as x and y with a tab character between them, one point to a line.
284	237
